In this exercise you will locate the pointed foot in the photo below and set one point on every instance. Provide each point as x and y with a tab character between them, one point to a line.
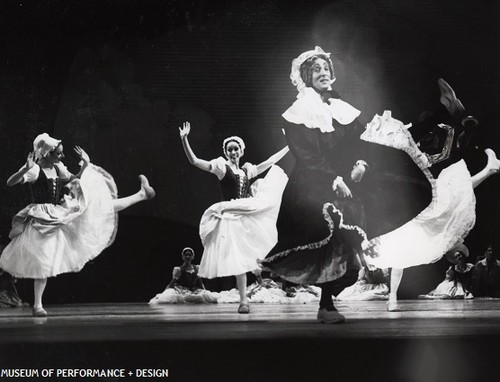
493	164
148	190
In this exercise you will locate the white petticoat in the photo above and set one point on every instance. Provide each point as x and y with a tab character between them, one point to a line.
443	224
49	239
180	295
237	233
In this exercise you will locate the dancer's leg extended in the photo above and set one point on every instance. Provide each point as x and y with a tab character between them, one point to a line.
145	193
492	167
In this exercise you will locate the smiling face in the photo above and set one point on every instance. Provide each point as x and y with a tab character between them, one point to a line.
187	255
321	75
56	155
233	152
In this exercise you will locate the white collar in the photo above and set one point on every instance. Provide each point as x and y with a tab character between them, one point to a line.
310	110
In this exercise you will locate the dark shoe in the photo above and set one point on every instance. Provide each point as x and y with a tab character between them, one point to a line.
244	309
39	312
330	316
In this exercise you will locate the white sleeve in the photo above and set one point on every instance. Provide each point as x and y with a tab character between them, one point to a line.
32	174
251	170
218	167
64	173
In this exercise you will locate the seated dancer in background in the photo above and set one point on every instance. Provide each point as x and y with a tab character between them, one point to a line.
486	275
450	216
457	283
322	220
371	285
71	218
186	286
241	229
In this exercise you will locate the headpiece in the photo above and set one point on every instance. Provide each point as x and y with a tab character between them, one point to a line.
450	255
187	249
234	138
44	144
297	62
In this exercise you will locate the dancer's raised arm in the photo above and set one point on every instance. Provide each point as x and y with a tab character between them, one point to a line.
272	160
18	176
192	158
84	161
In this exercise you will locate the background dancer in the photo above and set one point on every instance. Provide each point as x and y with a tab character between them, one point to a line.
71	218
240	230
186	286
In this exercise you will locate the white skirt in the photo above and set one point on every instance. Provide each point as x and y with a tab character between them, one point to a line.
49	239
237	233
445	222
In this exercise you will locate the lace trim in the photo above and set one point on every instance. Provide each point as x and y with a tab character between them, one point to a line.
387	131
321	243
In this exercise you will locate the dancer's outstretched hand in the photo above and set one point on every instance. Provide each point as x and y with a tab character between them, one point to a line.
342	190
185	129
31	160
82	154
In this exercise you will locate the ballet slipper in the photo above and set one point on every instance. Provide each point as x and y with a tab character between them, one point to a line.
149	191
393	306
244	309
330	316
493	164
39	312
449	99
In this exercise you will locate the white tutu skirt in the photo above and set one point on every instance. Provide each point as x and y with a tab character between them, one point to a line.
364	291
181	295
447	289
237	233
437	229
443	224
49	239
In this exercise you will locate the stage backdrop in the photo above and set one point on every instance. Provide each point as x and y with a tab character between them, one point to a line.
119	78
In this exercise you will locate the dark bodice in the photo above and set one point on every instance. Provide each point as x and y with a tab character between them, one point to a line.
189	280
234	186
46	190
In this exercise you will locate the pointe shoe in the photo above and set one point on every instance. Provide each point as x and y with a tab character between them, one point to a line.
244	309
330	316
393	306
449	99
493	162
150	192
39	312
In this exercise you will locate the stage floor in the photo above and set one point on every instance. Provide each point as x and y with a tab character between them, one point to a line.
427	341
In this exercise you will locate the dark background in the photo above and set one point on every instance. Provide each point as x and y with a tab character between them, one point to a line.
119	77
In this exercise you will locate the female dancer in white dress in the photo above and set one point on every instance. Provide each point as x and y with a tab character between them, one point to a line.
448	218
71	219
241	229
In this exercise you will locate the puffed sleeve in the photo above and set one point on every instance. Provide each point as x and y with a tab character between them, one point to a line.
251	170
218	167
64	173
176	273
32	174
